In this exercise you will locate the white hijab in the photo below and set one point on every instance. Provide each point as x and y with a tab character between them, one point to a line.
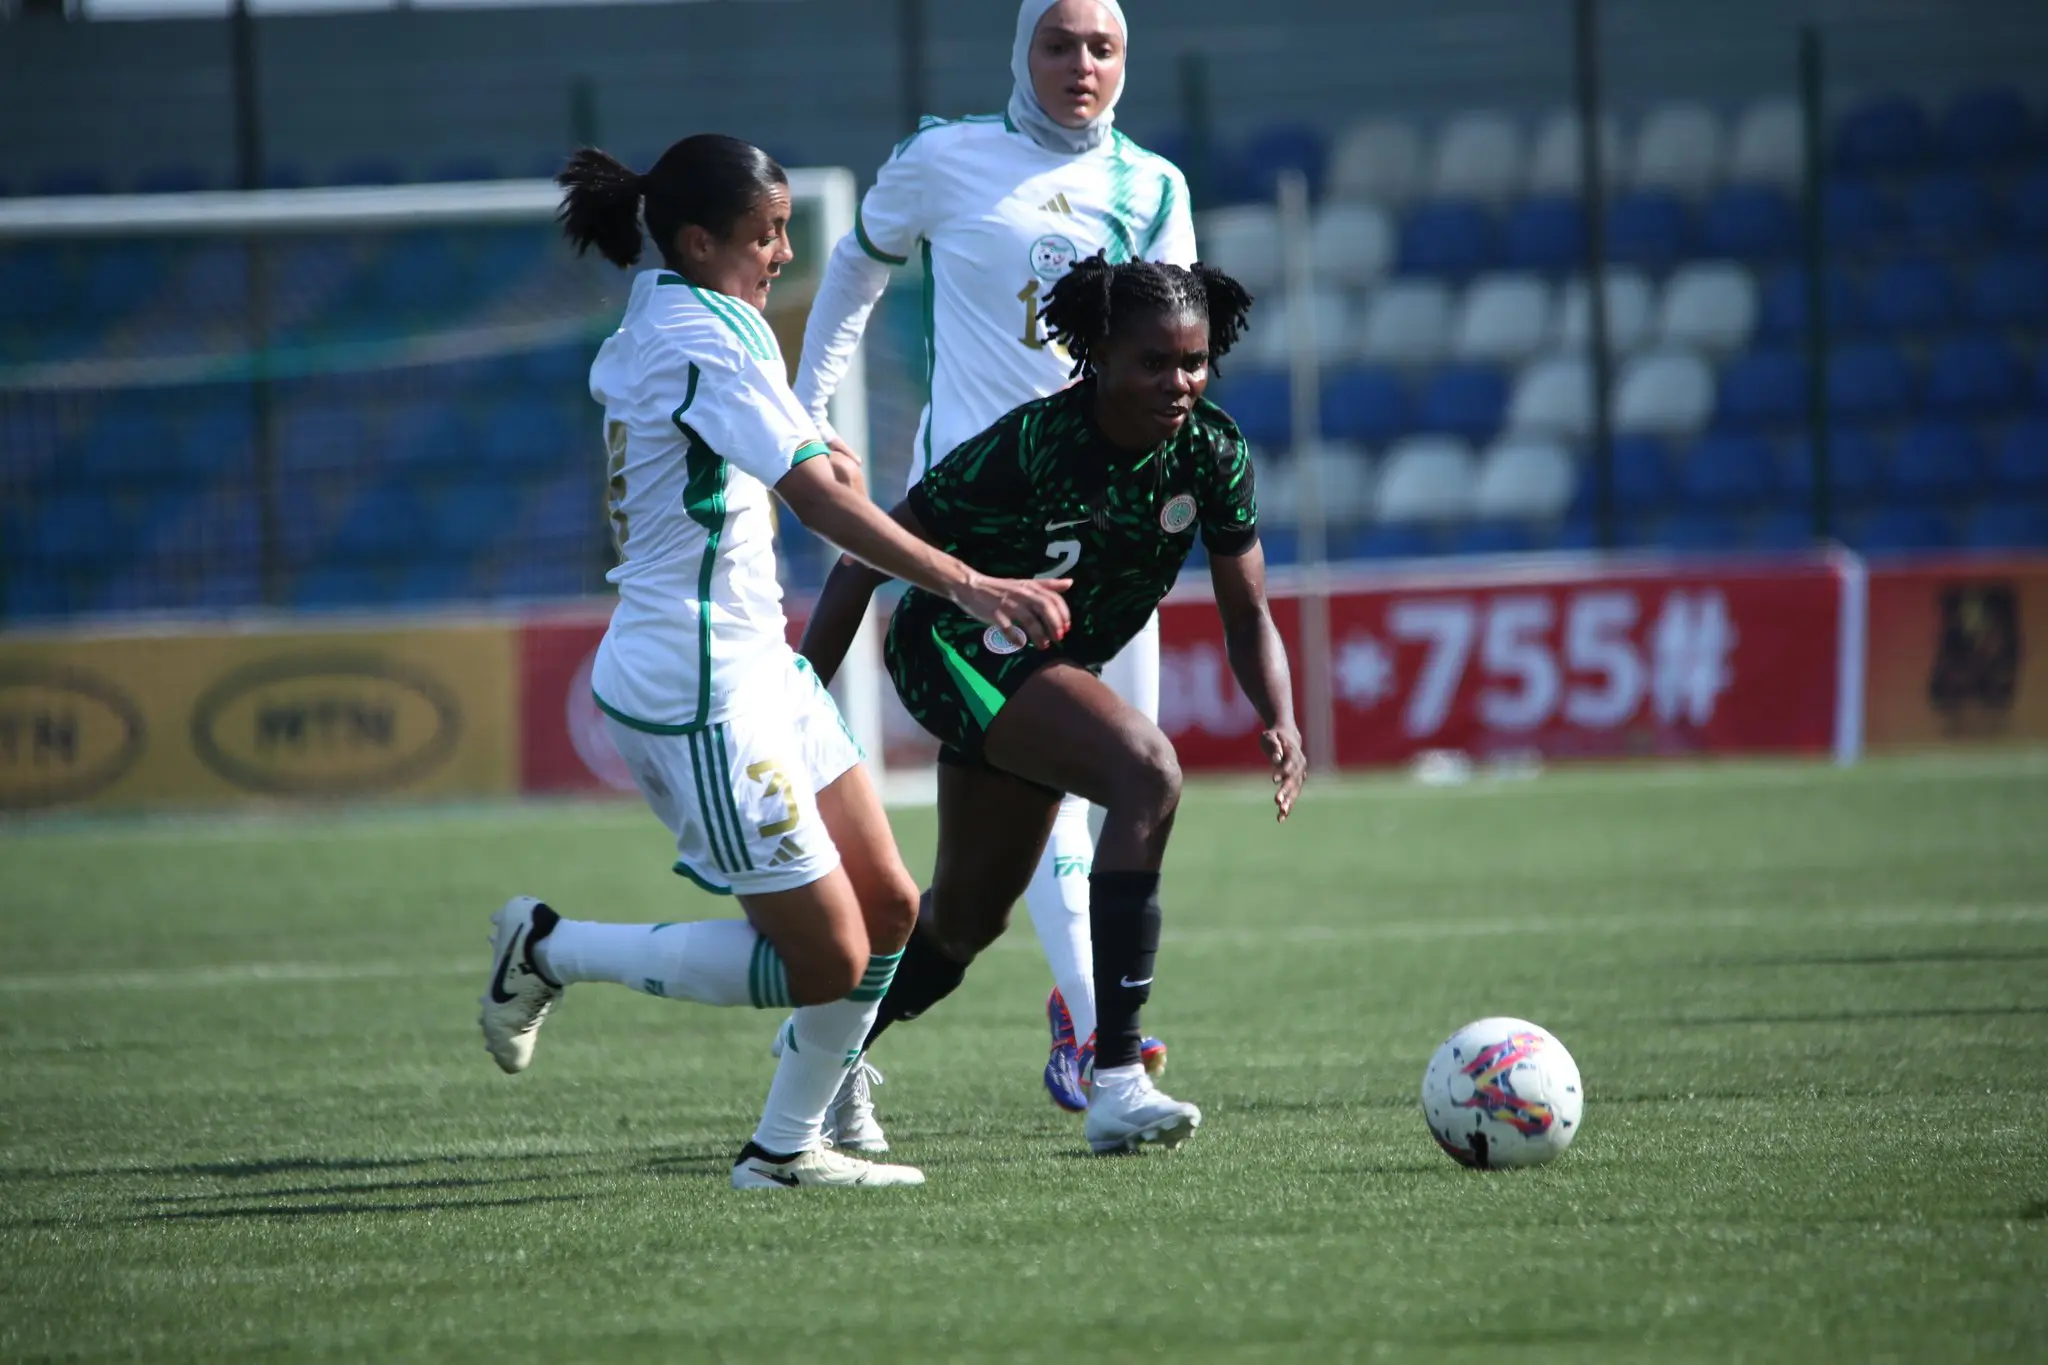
1025	110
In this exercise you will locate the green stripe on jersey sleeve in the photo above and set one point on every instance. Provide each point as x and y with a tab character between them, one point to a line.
752	333
809	450
867	244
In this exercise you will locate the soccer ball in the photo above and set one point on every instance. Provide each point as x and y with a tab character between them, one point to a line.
1502	1092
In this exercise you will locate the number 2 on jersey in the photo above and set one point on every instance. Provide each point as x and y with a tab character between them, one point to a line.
1065	554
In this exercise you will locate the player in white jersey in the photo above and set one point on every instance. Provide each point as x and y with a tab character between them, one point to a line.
998	207
736	745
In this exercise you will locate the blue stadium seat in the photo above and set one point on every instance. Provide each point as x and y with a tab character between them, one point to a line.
214	281
1870	380
1936	459
801	557
1544	233
503	254
39	595
1899	530
431	581
1642	477
2027	207
121	278
1781	314
1985	128
331	586
431	436
1761	389
420	273
467	518
1750	222
1855	457
1364	403
1949	210
32	282
1859	216
77	527
558	367
367	172
1258	400
126	447
560	512
384	524
529	434
1782	531
2007	526
1446	237
1890	133
72	180
1699	532
1729	470
218	441
2022	463
1979	373
465	168
1403	540
1252	173
1915	293
1492	538
2010	290
305	517
173	180
284	175
318	437
1648	228
2041	383
1464	400
1283	545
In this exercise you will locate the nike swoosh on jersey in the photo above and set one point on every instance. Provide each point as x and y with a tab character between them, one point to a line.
498	991
1063	525
1134	984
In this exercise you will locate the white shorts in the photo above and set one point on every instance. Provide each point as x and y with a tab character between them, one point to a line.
740	794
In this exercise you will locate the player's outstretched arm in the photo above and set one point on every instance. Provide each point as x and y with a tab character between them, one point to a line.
825	505
853	282
1259	660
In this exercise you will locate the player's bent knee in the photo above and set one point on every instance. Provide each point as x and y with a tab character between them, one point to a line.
1151	782
831	973
893	915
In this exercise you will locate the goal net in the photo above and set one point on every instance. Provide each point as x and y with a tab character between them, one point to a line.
345	399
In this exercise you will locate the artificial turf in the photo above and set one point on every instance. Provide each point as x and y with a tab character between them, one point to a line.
245	1112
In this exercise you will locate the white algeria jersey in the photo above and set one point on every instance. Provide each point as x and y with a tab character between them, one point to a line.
998	220
699	422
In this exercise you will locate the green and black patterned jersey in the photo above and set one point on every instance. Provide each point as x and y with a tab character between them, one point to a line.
1042	494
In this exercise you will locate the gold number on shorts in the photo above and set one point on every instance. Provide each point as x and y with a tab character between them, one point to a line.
615	485
770	776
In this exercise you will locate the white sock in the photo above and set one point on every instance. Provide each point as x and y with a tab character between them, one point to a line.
713	961
820	1044
1058	901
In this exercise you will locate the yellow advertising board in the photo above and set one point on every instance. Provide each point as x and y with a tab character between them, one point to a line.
1956	653
198	719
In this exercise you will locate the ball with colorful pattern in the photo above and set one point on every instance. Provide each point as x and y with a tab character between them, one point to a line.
1502	1093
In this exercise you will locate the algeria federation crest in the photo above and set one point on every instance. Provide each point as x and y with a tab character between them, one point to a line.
1052	256
1177	515
996	640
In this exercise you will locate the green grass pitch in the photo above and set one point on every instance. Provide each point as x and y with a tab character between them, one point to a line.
245	1112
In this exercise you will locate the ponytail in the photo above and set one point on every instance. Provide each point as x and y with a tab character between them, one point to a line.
708	180
601	206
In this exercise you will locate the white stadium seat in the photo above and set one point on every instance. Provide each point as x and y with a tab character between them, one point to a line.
1343	481
1273	485
1629	312
1553	397
1664	393
1769	144
1678	148
1503	317
1478	156
1524	477
1354	243
1709	305
1243	241
1407	322
1554	165
1270	341
1379	162
1426	478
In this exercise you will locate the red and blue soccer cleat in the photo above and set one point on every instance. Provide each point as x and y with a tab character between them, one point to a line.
1071	1066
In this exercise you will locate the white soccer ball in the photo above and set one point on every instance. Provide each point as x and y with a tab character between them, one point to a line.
1502	1092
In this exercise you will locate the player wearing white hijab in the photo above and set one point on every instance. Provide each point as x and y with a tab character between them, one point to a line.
998	206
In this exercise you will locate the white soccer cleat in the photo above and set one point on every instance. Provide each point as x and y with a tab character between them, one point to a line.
850	1124
1126	1113
821	1167
518	997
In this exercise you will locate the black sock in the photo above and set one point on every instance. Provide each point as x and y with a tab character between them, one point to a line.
1123	914
924	977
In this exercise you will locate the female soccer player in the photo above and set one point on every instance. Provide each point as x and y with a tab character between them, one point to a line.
1000	206
1106	483
735	744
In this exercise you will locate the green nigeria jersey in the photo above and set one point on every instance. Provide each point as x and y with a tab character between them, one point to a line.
1043	494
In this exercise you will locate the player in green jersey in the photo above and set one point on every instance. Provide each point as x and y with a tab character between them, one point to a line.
1107	483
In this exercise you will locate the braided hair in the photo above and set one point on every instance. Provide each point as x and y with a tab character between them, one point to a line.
1092	298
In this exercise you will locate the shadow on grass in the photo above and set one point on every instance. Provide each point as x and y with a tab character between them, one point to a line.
2036	1211
1903	957
717	1163
378	1187
1865	1016
261	1167
291	1211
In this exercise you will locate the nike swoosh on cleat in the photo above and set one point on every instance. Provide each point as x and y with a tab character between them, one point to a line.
1134	984
498	992
779	1177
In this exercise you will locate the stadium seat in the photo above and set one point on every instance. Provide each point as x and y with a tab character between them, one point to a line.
1951	210
1899	530
537	576
32	281
1975	375
1353	243
1667	393
125	448
1491	538
420	275
1678	148
81	526
1553	397
1935	459
213	282
1463	400
1407	322
1709	306
1630	312
1270	150
1258	401
2027	207
67	180
1985	128
1380	161
466	168
1762	389
1855	460
468	518
1478	156
1642	477
1446	237
1647	228
1523	477
1769	146
1425	478
1243	240
1271	339
328	587
122	277
2010	290
383	525
2022	463
1889	133
1870	381
369	172
431	581
1729	471
1699	532
1750	223
1364	403
1914	293
1502	318
529	435
173	180
1395	540
1545	233
1782	532
1340	476
1554	161
317	437
2007	526
504	254
1859	216
1278	494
